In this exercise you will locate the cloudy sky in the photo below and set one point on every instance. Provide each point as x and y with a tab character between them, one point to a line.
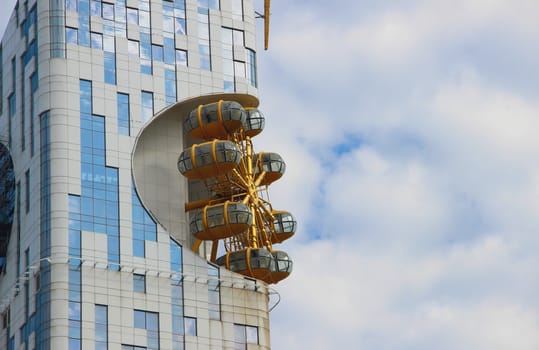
410	134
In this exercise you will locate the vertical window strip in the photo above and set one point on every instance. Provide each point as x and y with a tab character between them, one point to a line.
12	109
109	46
139	283
123	114
169	48
204	50
170	86
147	106
232	69
34	84
75	276
22	114
243	335
27	191
13	74
120	18
228	60
42	330
99	191
110	67
18	215
176	293
251	68
101	327
57	31
190	326
144	227
145	53
214	293
26	286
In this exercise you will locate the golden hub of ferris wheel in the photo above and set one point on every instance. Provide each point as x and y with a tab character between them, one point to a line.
236	214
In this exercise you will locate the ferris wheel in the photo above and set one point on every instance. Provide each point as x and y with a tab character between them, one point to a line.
236	217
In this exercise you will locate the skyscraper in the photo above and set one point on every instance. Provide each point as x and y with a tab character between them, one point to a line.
96	250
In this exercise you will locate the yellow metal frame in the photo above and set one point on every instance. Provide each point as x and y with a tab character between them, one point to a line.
245	187
246	183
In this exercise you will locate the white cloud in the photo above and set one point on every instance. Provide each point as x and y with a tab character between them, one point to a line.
428	223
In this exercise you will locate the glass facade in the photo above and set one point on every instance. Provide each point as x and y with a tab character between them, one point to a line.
99	183
154	33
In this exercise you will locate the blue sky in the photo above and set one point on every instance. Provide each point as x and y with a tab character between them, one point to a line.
410	134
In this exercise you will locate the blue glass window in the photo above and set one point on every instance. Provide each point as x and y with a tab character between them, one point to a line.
244	335
14	74
97	41
84	29
147	106
157	53
214	293
139	283
71	5
212	4
95	8
145	54
176	301
109	43
132	16
140	319
168	17
101	327
133	48
74	304
123	113
110	67
205	57
203	25
169	51
180	27
190	326
84	7
72	35
179	5
144	228
144	18
175	256
12	106
251	67
34	82
170	86
181	57
150	322
27	192
108	11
